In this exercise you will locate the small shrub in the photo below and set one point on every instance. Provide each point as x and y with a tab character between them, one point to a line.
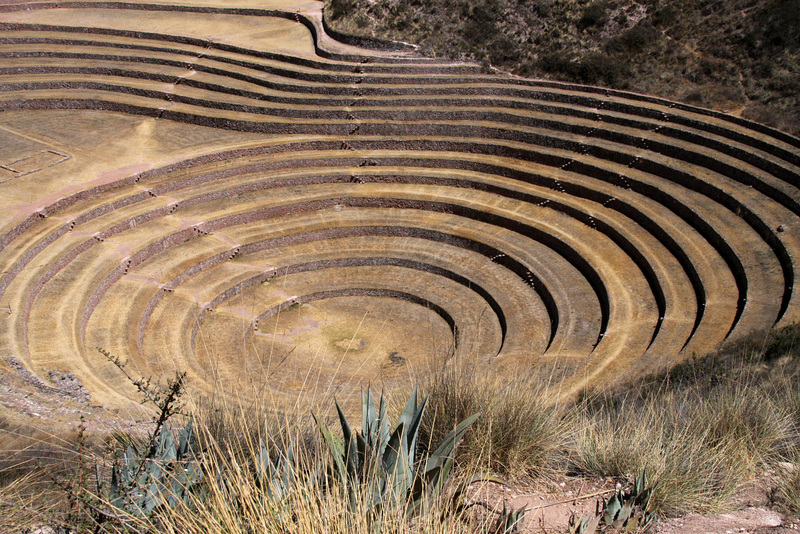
602	68
503	51
783	342
595	14
635	40
341	8
787	493
695	98
665	16
776	25
558	62
595	68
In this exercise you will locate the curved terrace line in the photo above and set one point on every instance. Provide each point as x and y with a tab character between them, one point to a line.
784	174
595	105
605	200
682	178
557	245
311	25
492	254
415	65
354	111
363	292
588	220
377	261
316	29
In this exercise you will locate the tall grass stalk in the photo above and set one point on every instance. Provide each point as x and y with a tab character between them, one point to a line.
787	492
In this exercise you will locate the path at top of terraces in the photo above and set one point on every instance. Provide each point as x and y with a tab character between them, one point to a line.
223	189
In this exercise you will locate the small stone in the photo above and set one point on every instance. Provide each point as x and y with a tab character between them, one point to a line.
787	466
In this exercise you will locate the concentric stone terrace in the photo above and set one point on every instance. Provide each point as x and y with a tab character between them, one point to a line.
227	190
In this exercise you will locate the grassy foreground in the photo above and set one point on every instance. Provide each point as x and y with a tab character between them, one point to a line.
701	430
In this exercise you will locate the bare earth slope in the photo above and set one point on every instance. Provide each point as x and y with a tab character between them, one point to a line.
227	191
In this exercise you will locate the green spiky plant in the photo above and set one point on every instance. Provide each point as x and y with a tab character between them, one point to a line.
380	467
622	512
165	475
275	476
162	473
510	520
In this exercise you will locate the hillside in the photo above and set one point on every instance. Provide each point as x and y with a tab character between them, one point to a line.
739	56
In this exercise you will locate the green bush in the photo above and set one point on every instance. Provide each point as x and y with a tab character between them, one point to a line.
776	25
665	16
783	342
634	40
595	14
341	8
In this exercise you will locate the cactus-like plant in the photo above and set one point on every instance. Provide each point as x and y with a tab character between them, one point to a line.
510	520
622	512
379	465
276	477
163	476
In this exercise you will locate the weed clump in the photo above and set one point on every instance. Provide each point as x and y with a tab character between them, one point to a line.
594	14
522	428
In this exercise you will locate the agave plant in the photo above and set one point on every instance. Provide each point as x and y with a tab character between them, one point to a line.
510	520
623	511
380	466
163	476
276	477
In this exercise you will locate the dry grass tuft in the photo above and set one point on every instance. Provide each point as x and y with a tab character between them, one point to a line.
698	446
704	427
521	429
234	500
